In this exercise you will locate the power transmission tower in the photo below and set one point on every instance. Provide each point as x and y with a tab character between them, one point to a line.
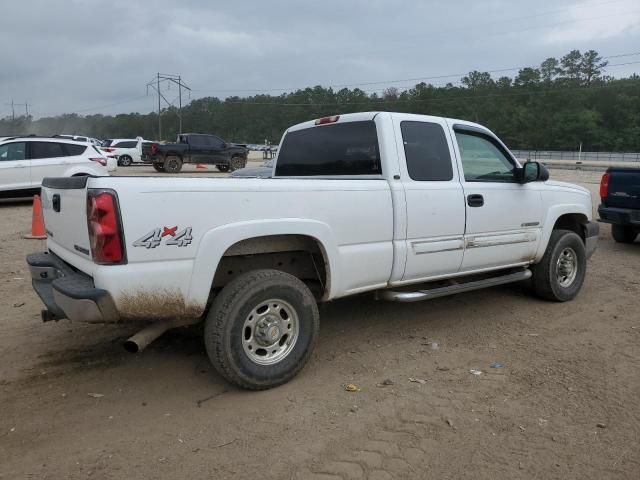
13	108
169	79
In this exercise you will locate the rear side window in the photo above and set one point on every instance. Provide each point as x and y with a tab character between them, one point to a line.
46	150
198	140
349	148
74	150
426	151
125	145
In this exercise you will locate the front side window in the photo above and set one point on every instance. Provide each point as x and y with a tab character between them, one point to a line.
483	160
426	151
12	151
349	148
46	150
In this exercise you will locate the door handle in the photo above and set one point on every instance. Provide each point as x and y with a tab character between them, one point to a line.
475	200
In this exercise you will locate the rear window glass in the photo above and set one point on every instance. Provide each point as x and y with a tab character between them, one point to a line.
349	148
73	150
426	151
46	150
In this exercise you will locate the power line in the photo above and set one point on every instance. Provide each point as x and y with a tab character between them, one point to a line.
168	78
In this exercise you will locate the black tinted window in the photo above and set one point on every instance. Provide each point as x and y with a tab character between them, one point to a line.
125	145
339	149
198	141
73	150
215	142
426	151
46	150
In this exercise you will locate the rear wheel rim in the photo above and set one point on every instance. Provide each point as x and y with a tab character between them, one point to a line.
270	331
567	267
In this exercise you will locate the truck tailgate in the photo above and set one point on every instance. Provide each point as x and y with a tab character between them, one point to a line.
64	204
624	188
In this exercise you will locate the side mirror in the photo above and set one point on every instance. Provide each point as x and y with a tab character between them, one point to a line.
534	172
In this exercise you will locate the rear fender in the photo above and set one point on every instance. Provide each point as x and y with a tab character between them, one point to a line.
217	241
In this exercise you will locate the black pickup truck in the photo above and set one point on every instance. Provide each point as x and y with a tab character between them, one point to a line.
620	195
195	148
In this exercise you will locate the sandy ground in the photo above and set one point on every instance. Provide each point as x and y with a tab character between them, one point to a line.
565	403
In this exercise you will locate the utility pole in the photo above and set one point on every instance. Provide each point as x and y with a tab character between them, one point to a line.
169	79
13	108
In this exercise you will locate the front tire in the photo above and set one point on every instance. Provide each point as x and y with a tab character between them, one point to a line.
172	164
622	234
237	163
261	329
561	272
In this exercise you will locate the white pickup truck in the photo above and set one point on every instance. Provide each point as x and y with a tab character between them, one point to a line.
409	207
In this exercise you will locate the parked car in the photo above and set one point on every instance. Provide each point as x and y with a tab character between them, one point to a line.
127	151
195	148
620	197
408	207
263	171
25	161
81	138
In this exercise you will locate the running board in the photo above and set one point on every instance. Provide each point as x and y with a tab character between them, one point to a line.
416	296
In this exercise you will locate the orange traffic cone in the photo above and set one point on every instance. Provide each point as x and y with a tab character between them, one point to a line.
200	166
37	222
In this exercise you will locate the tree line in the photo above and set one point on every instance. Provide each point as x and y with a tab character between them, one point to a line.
556	106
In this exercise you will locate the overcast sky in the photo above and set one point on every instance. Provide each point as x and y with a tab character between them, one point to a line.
96	56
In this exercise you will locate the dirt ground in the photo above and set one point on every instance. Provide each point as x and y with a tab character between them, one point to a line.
564	404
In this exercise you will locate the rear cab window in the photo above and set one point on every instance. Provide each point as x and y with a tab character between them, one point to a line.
426	151
349	148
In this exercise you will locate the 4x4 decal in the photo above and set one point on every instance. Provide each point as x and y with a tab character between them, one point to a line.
155	237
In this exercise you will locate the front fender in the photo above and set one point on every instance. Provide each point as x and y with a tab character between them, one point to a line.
218	240
552	216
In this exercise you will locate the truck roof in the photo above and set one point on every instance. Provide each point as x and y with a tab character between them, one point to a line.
367	116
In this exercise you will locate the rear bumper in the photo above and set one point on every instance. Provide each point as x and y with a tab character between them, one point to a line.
619	216
591	238
68	293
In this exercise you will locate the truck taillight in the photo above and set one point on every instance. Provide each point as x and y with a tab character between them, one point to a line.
102	161
325	120
604	186
154	148
105	230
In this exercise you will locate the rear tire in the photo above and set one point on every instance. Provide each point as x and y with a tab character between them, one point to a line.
561	272
125	161
261	329
223	168
158	167
172	164
622	234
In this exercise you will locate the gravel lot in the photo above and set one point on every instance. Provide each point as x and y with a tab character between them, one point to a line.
564	404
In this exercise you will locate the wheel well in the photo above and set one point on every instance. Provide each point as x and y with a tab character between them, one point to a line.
299	255
576	222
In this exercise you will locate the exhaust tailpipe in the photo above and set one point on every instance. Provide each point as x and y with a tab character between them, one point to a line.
144	337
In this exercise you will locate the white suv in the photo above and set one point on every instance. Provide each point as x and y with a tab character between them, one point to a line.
126	150
25	161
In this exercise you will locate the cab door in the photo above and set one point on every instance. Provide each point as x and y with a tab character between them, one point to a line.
15	168
434	198
504	217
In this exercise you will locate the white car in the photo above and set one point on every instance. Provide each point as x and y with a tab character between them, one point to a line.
407	207
125	150
25	161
